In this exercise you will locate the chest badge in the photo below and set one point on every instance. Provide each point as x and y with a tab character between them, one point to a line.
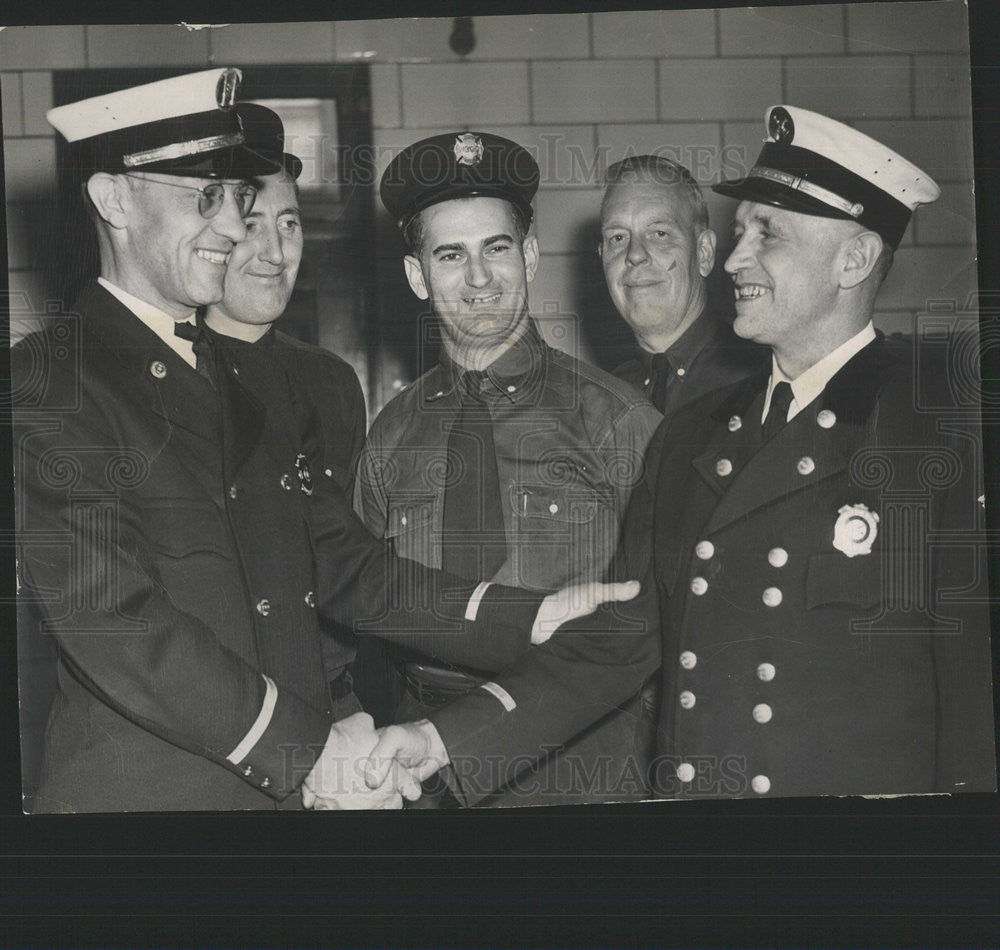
855	530
305	476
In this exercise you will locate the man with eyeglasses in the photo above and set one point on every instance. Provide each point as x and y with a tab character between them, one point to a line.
184	680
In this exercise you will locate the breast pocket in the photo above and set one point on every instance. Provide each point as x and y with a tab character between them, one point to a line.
833	578
561	533
180	529
411	520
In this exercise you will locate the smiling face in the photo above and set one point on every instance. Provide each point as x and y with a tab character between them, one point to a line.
787	269
262	268
474	270
656	256
176	259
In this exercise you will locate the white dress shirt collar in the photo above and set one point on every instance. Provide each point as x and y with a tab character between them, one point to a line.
813	381
162	324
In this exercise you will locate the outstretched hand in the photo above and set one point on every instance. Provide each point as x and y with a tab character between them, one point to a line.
577	601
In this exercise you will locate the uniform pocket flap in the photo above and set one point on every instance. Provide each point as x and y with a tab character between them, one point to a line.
834	578
547	503
408	511
181	528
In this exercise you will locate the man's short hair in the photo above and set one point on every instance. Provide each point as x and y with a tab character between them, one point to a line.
283	175
659	171
413	233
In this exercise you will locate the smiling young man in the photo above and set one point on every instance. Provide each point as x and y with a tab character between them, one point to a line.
507	460
815	533
657	250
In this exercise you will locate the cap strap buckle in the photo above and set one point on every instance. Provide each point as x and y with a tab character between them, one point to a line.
181	149
853	208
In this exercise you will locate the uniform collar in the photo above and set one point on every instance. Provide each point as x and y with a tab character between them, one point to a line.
707	329
850	393
515	375
808	385
162	324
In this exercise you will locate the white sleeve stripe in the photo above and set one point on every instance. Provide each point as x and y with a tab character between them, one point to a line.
472	607
506	700
261	723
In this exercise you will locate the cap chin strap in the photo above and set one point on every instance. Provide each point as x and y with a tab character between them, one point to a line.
182	149
853	208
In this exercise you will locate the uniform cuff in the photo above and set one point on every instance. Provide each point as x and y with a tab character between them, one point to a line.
290	735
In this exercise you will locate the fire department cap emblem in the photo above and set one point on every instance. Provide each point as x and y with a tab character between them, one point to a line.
780	125
468	149
855	530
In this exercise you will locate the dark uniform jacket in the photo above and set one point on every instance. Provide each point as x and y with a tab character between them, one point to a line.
706	356
822	597
142	546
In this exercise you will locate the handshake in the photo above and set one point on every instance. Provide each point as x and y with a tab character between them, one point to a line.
364	768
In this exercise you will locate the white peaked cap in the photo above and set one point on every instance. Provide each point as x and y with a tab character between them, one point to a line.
166	99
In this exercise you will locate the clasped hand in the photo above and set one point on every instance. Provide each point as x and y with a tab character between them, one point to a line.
362	768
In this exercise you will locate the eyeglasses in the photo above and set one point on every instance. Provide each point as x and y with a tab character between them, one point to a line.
212	196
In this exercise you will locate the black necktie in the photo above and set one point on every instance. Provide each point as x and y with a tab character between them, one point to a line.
474	541
203	351
661	373
777	415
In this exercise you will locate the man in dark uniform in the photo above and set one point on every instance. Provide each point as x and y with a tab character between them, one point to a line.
657	250
315	410
817	552
185	681
540	451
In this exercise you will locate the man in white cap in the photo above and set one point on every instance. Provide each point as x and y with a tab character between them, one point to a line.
187	676
815	534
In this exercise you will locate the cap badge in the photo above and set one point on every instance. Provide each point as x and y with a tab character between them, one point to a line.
468	149
780	126
855	530
225	91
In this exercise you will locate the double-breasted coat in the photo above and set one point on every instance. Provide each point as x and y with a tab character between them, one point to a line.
821	597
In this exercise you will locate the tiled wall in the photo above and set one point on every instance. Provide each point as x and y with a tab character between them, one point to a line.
580	90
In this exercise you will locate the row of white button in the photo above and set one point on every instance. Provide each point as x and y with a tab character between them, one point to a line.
804	466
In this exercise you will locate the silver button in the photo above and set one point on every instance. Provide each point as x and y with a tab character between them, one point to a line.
762	713
248	771
233	491
765	672
826	418
704	549
772	596
266	783
553	508
329	473
761	784
688	660
310	599
158	369
777	557
687	699
402	521
698	586
286	482
263	606
512	389
645	382
685	772
806	466
723	467
735	423
681	371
